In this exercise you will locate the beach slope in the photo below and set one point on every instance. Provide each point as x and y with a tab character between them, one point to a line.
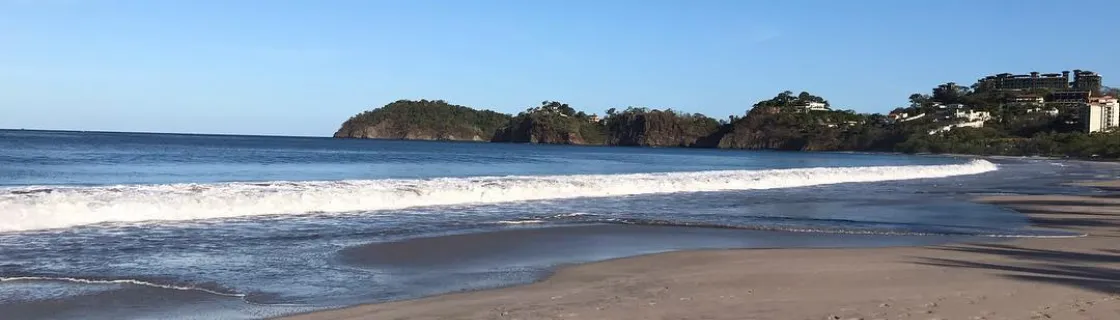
1051	278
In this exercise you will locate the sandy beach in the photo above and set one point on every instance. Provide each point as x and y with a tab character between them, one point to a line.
1034	278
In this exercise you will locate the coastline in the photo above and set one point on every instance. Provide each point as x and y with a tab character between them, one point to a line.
1065	278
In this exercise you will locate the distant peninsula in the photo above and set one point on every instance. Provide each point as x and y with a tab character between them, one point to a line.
1016	115
423	120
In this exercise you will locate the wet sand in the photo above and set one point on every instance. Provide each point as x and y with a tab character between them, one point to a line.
1066	278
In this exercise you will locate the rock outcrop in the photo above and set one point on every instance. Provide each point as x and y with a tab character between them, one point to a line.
551	123
768	131
542	128
639	127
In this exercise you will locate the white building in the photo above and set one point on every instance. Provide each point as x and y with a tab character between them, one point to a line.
815	106
970	124
1052	111
904	117
1101	114
1025	101
972	115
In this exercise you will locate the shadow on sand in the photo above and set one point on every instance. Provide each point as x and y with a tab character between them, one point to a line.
1049	266
1096	269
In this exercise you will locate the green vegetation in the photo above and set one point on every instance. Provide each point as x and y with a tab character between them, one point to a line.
991	141
656	128
783	122
424	119
552	122
1014	130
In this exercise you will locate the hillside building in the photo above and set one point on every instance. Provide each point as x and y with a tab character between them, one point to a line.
1063	99
972	115
1101	114
1082	81
814	106
1025	101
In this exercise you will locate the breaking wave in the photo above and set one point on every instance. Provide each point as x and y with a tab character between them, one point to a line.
40	207
120	282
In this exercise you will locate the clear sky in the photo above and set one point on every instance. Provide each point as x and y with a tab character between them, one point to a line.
302	67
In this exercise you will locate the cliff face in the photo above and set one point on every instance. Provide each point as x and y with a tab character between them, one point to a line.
423	120
541	128
390	130
661	129
764	129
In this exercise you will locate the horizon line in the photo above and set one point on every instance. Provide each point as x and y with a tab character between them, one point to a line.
164	133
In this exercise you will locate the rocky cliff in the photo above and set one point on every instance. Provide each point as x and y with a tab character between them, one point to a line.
552	129
765	128
640	127
423	120
551	123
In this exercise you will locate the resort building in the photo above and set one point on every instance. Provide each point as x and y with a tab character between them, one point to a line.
947	89
1034	80
1053	112
956	111
1087	81
972	115
1082	81
1101	114
970	124
814	106
904	117
1068	98
1025	101
951	106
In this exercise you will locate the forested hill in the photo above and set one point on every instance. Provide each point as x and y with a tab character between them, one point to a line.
801	122
423	120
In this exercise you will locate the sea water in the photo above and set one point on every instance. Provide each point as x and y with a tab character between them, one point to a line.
130	225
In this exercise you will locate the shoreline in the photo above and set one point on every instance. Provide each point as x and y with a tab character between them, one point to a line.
1063	278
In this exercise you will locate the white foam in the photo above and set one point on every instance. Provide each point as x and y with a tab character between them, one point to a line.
521	221
120	282
32	208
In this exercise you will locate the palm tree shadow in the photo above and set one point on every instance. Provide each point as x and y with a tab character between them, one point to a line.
1046	266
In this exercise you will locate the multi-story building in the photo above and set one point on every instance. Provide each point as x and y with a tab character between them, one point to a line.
1025	101
1068	98
1100	114
947	89
1034	80
1082	81
1087	81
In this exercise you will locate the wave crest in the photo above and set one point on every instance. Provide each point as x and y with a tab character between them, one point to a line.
121	281
30	208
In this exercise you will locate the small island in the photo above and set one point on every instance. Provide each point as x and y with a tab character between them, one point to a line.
1015	115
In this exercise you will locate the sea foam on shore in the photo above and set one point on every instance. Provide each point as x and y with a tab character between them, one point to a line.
46	207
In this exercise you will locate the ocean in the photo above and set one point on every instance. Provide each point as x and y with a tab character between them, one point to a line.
166	226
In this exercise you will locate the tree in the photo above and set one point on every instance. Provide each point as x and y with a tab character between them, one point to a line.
562	108
808	97
433	118
804	96
1110	91
918	100
785	98
950	93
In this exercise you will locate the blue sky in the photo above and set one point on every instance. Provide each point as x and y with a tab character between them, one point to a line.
302	67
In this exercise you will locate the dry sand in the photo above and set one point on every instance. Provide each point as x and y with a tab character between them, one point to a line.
1068	278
